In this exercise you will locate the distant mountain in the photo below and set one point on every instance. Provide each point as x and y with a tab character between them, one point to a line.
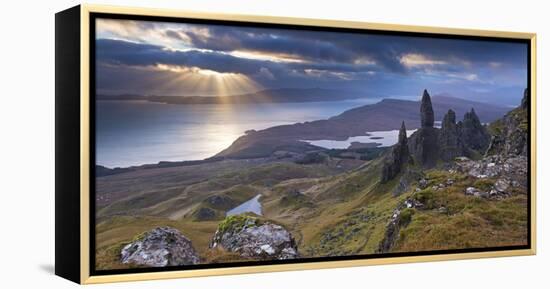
121	97
387	114
280	95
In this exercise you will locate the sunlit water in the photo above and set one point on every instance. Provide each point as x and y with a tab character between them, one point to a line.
381	138
139	132
253	205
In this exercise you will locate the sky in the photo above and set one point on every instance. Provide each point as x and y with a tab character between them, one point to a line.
158	58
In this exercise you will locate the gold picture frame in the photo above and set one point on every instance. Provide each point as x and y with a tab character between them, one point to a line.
81	15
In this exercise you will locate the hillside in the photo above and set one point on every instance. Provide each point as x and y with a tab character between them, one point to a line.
382	116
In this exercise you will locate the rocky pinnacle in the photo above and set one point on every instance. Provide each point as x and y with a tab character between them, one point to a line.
449	120
398	157
402	134
426	111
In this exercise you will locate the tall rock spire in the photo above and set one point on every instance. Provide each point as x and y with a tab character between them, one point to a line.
449	120
426	111
402	134
398	158
423	144
474	134
450	142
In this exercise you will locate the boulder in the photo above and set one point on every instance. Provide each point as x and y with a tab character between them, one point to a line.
255	238
502	185
471	191
160	247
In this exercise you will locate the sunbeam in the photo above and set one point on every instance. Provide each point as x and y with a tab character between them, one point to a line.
194	81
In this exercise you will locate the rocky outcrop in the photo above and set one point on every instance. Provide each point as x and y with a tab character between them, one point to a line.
398	157
424	148
221	202
426	111
525	99
160	247
400	218
510	134
409	177
205	214
473	133
450	141
428	145
511	168
252	237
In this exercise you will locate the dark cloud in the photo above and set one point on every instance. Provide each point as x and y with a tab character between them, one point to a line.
362	61
385	50
129	53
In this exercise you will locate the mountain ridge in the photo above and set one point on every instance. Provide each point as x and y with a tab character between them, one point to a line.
387	114
275	95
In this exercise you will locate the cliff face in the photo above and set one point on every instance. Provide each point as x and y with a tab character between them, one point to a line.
510	134
398	158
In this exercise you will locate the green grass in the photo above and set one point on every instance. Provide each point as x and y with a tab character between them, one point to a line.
351	210
467	222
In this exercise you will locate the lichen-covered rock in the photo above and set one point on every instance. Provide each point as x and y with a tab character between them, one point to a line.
252	237
160	247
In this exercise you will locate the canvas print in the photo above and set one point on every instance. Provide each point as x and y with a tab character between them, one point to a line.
224	143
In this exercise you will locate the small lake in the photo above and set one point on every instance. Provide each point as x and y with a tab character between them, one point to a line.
253	206
382	138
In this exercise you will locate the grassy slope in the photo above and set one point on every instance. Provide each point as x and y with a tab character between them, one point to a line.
467	221
120	221
328	213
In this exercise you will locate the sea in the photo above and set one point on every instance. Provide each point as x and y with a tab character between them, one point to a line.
135	132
